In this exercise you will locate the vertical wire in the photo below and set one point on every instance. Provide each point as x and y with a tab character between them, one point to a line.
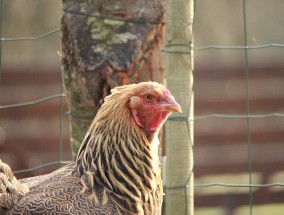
248	107
191	177
61	121
186	199
190	106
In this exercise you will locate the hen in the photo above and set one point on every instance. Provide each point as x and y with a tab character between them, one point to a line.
116	171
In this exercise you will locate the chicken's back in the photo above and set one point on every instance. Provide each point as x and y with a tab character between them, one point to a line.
60	193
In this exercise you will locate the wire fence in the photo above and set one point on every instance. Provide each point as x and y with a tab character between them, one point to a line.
248	116
59	96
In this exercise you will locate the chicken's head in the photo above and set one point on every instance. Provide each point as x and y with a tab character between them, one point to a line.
151	104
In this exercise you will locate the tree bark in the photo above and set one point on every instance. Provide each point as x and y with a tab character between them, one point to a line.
179	131
107	43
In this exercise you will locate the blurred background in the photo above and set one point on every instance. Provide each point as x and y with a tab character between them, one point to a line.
34	135
30	135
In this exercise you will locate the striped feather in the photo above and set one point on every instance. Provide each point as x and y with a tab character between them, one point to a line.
120	156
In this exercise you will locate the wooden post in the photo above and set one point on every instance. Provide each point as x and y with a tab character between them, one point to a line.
178	130
106	44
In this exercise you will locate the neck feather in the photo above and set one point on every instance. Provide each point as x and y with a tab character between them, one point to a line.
118	155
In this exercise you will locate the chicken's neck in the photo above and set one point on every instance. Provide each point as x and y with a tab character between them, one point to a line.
124	160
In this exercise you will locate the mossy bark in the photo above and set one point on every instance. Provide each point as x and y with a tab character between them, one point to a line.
107	44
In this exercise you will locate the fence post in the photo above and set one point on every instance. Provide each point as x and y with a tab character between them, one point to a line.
179	131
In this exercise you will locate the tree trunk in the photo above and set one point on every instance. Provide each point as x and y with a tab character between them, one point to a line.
178	129
107	44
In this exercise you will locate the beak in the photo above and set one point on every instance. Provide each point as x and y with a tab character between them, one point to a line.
173	107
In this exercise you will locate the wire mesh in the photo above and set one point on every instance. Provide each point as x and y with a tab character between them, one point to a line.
248	116
59	96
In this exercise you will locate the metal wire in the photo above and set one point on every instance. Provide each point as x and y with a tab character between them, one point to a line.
248	108
250	185
34	102
61	123
228	116
269	45
42	36
42	166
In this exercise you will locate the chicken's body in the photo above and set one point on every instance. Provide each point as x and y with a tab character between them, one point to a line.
117	170
60	193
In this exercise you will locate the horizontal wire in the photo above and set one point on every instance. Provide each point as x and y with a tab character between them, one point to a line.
176	52
202	48
269	45
215	115
228	185
225	185
239	185
41	166
239	115
31	38
32	102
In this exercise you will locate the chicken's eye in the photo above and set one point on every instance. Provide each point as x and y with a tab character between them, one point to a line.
148	97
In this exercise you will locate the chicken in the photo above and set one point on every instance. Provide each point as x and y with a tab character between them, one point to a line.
116	170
